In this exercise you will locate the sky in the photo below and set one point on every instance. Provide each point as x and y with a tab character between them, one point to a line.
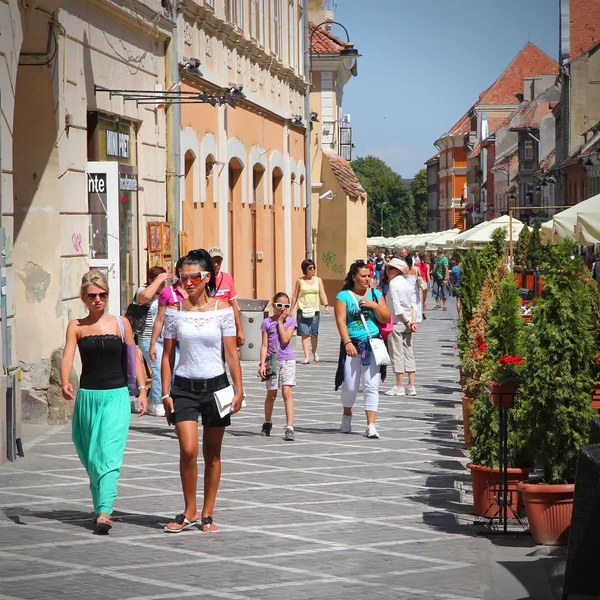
424	64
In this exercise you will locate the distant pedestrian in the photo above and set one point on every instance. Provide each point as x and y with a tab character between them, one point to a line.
412	274
401	302
379	267
440	275
371	265
356	364
277	365
225	290
423	265
205	327
309	296
148	294
102	408
455	276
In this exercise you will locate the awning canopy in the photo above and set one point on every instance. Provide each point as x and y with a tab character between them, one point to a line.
580	222
481	234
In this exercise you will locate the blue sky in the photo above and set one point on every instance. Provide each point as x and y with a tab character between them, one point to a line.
425	62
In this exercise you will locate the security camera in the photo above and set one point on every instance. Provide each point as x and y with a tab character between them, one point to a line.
328	195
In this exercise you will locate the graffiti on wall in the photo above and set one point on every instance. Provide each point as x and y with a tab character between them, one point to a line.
77	242
328	259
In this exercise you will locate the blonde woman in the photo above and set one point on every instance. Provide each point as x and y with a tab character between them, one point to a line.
102	406
309	295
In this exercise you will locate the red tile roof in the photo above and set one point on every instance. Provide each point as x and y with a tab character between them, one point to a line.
585	26
324	42
345	175
532	118
462	127
434	157
476	151
530	61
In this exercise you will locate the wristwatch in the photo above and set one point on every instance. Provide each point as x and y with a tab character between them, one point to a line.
143	387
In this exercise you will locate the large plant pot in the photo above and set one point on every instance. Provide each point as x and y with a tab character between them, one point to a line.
467	409
502	395
519	278
549	509
529	280
484	504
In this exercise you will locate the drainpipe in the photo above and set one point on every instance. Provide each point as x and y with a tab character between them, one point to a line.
307	139
173	115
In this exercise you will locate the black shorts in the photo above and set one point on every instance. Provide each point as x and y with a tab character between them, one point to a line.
190	405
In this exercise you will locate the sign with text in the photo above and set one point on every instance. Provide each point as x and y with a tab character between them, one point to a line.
97	183
117	144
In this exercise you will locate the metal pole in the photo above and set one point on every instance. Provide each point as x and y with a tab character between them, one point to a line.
173	114
307	137
510	243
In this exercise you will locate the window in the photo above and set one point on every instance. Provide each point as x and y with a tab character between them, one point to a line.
301	40
257	20
234	12
528	150
292	36
275	19
210	3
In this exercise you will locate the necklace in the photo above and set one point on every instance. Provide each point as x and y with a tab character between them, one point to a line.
199	307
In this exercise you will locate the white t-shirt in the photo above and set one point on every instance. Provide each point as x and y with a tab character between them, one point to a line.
401	297
200	336
150	317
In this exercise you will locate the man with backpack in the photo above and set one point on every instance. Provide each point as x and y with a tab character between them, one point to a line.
379	266
440	280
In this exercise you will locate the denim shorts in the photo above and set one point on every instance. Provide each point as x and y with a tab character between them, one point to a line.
308	326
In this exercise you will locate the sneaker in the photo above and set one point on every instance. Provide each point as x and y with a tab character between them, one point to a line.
346	426
424	317
411	391
289	434
156	409
371	432
396	391
266	428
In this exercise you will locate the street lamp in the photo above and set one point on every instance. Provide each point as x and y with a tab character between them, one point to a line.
349	54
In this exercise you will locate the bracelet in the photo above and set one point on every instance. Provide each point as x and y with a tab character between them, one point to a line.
348	342
143	387
165	397
261	364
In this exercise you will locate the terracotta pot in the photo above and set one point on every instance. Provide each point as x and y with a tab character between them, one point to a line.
502	395
549	509
595	391
467	409
484	504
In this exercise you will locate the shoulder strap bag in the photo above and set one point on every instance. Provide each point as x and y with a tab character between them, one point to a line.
378	349
129	360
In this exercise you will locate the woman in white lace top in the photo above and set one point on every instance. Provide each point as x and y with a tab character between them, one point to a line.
203	326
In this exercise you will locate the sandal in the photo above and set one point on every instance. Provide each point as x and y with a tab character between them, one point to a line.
208	521
317	358
180	520
103	525
305	361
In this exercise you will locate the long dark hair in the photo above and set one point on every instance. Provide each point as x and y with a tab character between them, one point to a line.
355	267
409	261
202	259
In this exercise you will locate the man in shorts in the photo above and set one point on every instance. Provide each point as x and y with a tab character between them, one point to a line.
226	291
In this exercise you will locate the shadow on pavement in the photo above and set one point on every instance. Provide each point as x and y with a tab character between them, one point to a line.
164	432
80	518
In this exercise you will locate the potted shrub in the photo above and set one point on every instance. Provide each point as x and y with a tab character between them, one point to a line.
504	337
554	407
503	380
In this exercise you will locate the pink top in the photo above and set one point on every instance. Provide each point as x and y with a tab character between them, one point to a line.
423	268
225	287
170	294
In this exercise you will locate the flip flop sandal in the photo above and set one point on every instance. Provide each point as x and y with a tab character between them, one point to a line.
317	358
103	525
208	521
180	520
305	361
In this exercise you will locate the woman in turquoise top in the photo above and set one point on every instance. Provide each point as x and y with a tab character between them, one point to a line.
356	362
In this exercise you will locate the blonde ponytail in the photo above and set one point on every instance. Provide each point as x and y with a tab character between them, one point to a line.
93	277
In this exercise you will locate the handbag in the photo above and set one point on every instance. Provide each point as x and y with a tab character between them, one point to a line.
378	349
308	313
136	314
129	360
384	328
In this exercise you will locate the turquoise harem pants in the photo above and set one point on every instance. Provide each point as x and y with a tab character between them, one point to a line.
100	427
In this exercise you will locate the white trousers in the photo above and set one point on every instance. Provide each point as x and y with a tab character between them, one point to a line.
354	372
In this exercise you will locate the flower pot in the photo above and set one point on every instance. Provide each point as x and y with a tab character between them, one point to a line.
502	395
467	409
484	504
549	509
595	403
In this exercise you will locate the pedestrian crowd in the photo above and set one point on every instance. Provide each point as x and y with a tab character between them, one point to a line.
188	328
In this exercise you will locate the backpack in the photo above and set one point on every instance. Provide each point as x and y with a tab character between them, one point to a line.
136	314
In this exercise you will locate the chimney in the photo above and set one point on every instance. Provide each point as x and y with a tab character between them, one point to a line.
564	50
520	97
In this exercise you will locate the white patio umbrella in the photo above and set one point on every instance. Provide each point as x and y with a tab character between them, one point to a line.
442	239
565	223
481	234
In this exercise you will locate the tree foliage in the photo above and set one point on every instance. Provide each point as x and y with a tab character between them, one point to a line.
560	357
522	247
387	195
535	252
418	189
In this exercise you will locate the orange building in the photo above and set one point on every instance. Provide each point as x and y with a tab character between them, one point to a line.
242	173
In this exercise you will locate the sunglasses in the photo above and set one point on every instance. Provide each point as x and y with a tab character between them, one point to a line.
101	295
281	305
193	278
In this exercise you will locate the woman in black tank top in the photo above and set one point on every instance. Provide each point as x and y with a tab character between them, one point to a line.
102	407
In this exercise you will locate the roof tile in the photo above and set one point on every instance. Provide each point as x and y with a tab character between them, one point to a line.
324	42
346	176
585	26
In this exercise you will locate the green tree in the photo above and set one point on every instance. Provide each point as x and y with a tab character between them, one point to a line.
535	252
387	195
522	247
418	189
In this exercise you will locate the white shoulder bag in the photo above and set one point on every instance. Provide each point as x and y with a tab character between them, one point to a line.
309	313
378	349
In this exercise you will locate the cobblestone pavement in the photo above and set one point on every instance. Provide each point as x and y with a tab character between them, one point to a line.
328	516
